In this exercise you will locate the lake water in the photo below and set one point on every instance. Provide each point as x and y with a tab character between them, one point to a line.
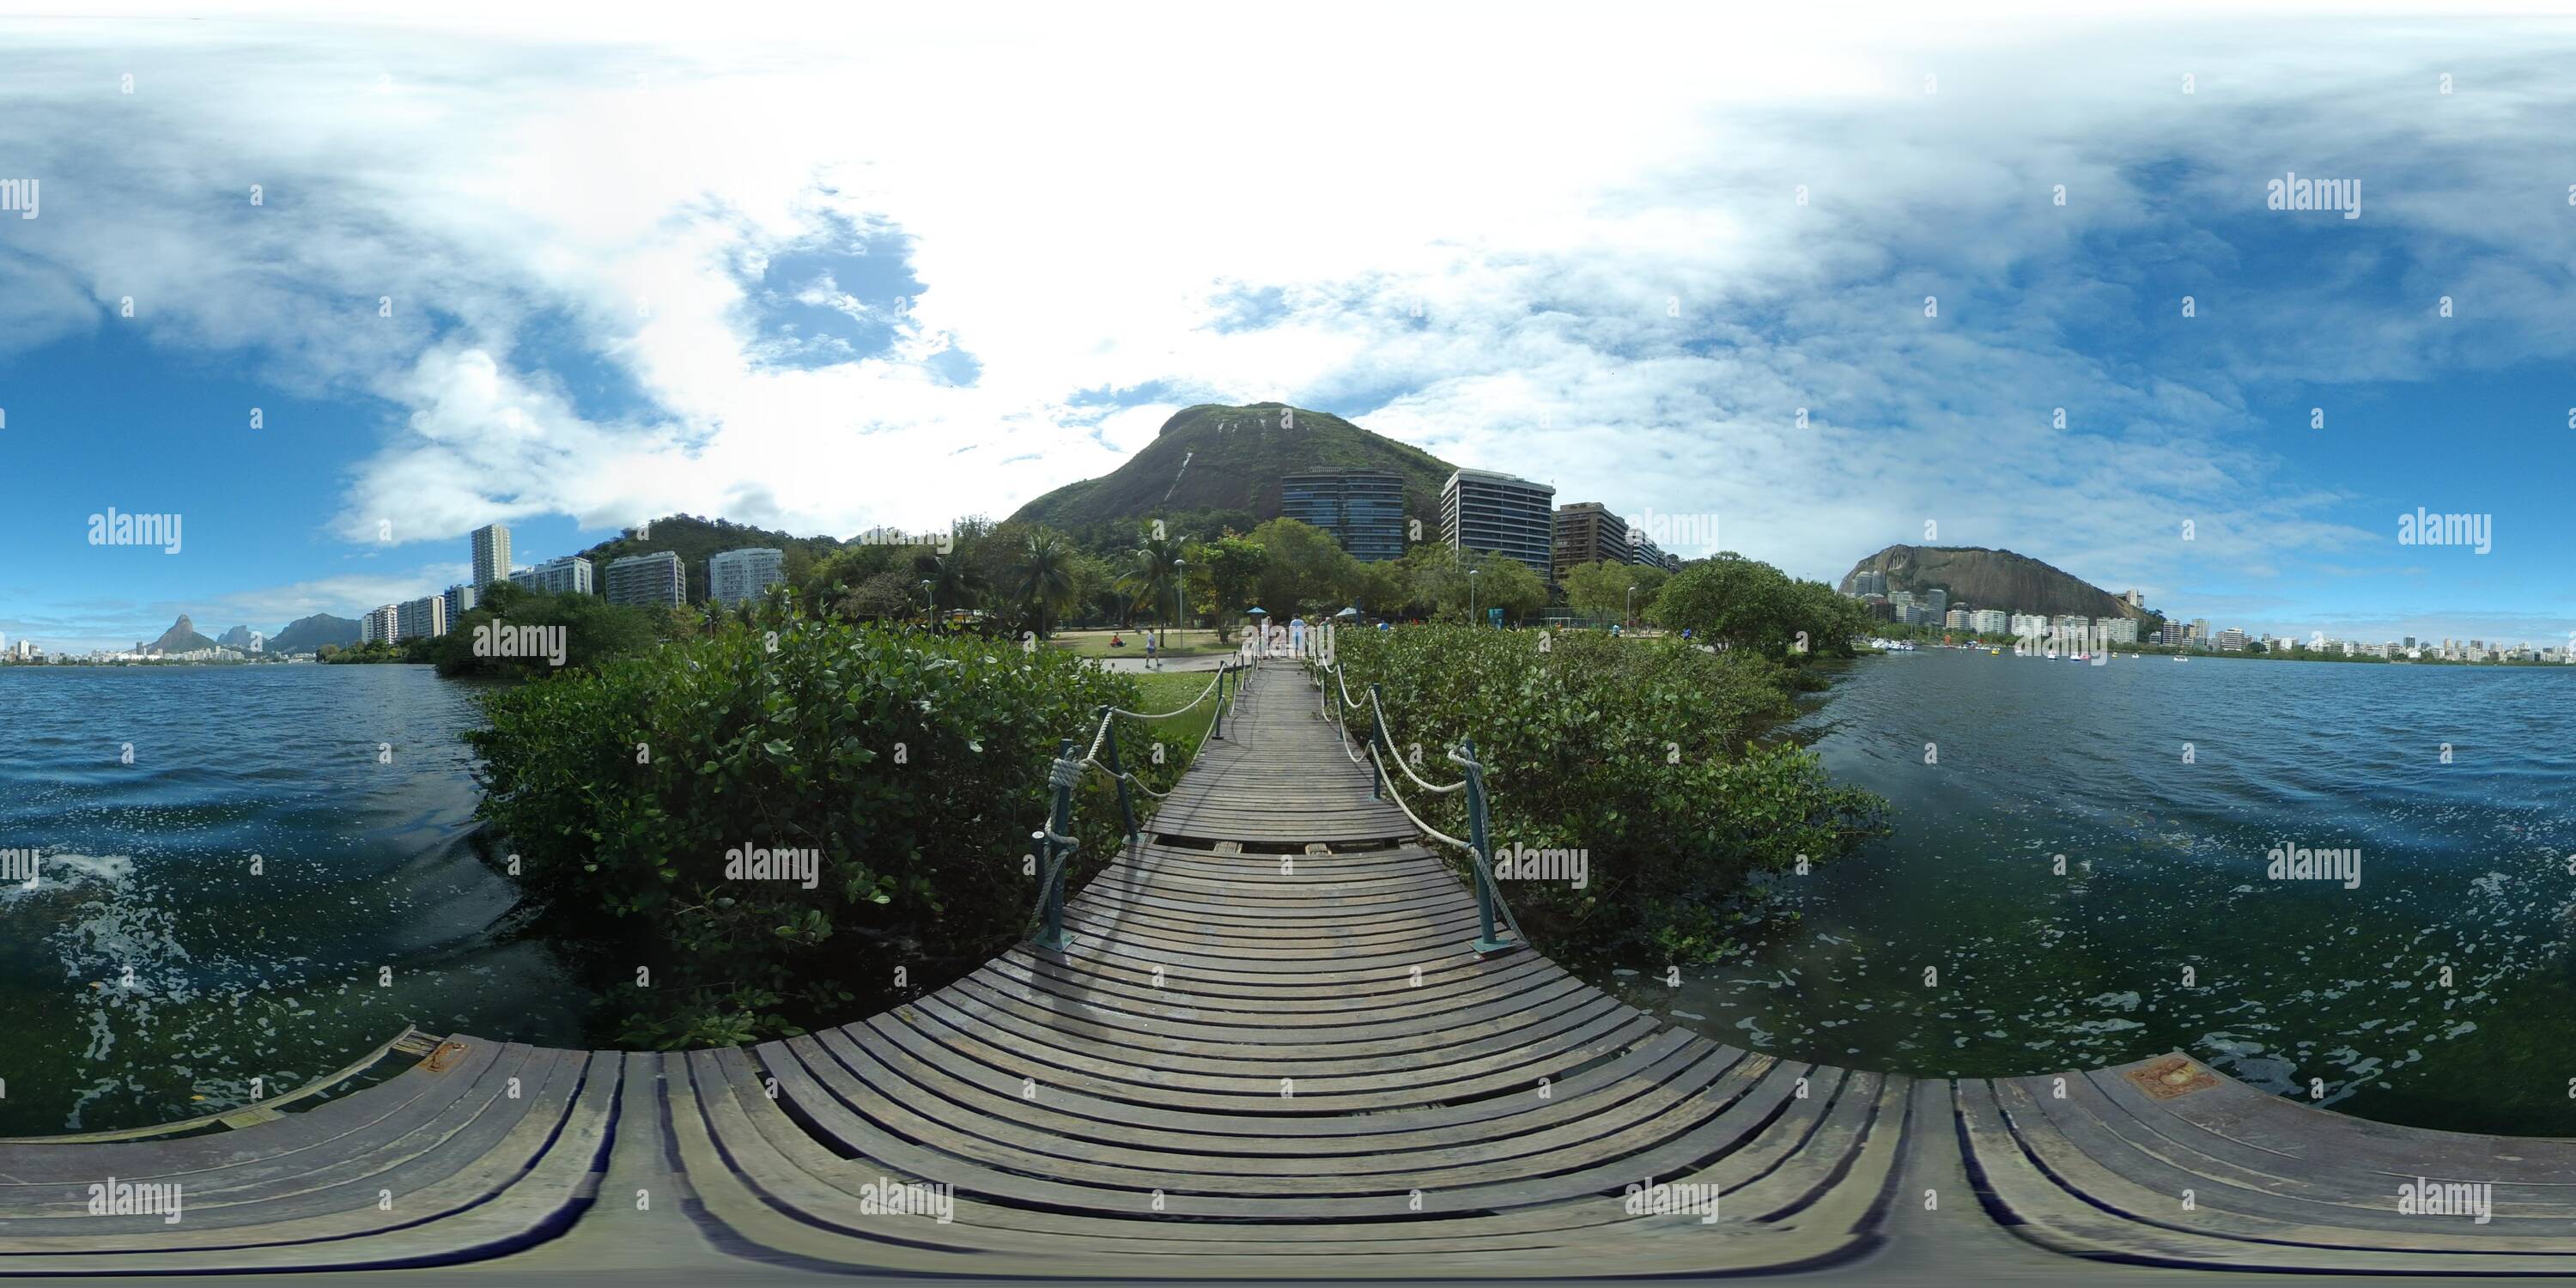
2463	865
147	869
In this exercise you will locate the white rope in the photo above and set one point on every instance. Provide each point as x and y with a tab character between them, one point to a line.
1459	786
1182	709
1427	829
1131	779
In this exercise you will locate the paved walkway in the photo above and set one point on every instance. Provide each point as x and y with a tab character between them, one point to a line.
1270	1051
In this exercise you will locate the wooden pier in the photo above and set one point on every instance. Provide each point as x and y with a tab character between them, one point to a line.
1271	1050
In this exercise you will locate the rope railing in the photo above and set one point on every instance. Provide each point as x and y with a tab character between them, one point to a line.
1056	841
1478	846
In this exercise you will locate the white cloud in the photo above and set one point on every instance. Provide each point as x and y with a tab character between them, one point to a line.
1083	200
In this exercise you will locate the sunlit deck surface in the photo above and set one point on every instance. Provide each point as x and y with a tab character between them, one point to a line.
1272	1052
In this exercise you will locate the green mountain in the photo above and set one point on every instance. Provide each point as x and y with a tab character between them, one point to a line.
1999	579
305	634
694	539
182	637
1218	458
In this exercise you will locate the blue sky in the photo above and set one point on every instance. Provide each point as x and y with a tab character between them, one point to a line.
508	268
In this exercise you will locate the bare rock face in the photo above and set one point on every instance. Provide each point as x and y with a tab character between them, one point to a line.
1998	579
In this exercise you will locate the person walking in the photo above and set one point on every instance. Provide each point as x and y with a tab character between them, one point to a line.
1150	663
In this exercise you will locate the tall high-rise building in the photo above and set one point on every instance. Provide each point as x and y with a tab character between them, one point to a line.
1937	599
491	554
737	575
655	580
1363	509
421	619
569	575
1587	532
379	625
460	601
1501	514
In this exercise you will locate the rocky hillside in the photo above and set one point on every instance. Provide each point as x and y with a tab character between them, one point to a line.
305	634
1215	457
1982	578
182	637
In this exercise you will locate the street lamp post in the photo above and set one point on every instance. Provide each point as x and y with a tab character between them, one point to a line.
1631	614
1471	596
1180	575
930	597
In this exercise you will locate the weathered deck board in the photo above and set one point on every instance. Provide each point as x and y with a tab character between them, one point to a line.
1271	1051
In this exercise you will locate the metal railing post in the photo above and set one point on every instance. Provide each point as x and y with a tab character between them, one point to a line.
1216	732
1377	746
1059	845
1126	802
1480	850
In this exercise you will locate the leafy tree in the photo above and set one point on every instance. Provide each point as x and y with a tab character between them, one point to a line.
1379	587
1303	568
1745	603
1600	590
1224	576
1505	583
887	596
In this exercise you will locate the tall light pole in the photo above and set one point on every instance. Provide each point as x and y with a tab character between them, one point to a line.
931	597
1471	596
1180	579
1631	614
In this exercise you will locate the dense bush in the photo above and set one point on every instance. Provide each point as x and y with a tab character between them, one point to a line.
916	765
1637	751
592	629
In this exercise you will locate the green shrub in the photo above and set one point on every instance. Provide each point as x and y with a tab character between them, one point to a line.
915	764
592	630
1637	751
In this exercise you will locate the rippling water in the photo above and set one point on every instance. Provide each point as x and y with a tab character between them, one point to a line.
2464	865
147	870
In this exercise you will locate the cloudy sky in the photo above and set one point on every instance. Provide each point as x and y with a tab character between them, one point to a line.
820	270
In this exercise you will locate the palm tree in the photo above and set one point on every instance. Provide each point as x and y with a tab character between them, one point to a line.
1045	576
954	581
1149	571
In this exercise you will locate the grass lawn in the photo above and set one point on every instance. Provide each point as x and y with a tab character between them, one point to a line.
1179	735
1096	643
